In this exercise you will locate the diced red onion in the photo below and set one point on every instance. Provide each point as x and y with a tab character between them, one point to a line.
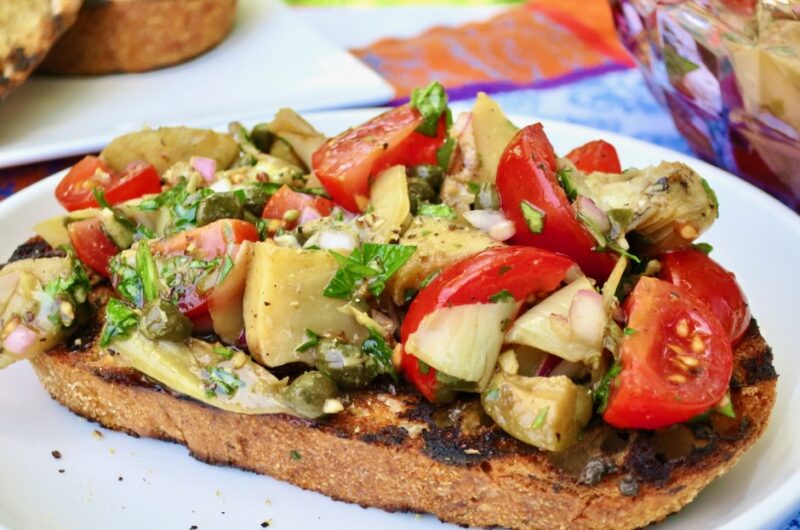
593	213
336	240
548	364
587	317
492	222
207	167
308	214
20	339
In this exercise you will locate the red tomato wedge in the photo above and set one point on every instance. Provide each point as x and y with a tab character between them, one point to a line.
286	199
92	245
75	191
711	283
344	164
414	150
527	172
677	362
596	156
521	271
206	243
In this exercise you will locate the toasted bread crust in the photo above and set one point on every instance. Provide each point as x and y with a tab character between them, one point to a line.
391	449
28	28
139	35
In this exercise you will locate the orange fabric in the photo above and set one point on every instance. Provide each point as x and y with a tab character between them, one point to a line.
538	42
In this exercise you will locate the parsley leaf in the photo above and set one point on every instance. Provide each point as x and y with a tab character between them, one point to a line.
534	217
431	102
603	390
222	351
429	278
712	196
313	340
705	248
502	296
564	178
180	203
371	263
376	347
227	266
628	332
445	153
120	321
146	267
541	416
436	210
225	380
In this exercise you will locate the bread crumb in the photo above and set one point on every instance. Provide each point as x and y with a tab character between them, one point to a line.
56	454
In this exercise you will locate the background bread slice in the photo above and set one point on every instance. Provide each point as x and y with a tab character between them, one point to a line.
27	30
393	450
139	35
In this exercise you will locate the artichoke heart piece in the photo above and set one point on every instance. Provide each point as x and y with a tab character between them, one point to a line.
390	205
439	243
283	297
303	138
194	369
546	412
669	205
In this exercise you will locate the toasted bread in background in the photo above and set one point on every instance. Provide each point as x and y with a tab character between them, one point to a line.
27	30
392	449
139	35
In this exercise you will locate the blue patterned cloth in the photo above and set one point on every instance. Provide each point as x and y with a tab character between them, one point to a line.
619	102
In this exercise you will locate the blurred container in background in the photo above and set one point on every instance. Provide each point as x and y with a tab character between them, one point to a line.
729	73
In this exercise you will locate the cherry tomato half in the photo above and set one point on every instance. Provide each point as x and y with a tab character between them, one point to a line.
92	245
286	199
527	172
676	363
75	191
596	155
711	283
521	271
345	164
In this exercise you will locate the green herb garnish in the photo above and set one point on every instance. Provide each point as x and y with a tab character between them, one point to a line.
712	196
492	395
222	351
225	380
429	278
564	177
603	390
227	266
628	332
431	102
146	268
313	340
445	153
295	455
541	416
377	347
502	296
120	321
705	248
371	263
534	217
436	210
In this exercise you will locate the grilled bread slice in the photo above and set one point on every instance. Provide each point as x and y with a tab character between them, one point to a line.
139	35
27	30
392	449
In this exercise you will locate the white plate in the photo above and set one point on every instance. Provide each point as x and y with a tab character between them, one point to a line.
272	58
163	487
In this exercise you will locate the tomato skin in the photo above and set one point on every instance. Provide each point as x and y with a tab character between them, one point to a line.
92	245
209	241
414	150
286	199
596	155
522	271
712	284
344	164
642	395
74	192
527	172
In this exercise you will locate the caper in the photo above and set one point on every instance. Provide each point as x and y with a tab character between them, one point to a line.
161	320
345	364
255	197
431	174
419	192
262	137
222	205
307	394
487	198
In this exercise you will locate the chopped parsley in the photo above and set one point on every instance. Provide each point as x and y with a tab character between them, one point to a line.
534	217
436	210
564	177
146	268
371	264
423	367
120	321
180	203
705	248
431	102
313	340
628	332
492	395
225	380
429	278
376	347
541	417
75	286
712	196
603	390
227	266
295	455
445	153
502	296
222	351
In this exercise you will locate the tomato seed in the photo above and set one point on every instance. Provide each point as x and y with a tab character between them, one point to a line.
689	361
674	347
677	379
682	328
698	346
